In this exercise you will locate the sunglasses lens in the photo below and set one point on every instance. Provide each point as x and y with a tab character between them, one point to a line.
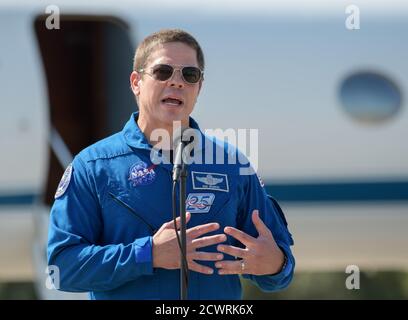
191	74
163	72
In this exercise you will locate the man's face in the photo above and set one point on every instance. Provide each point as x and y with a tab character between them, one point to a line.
158	99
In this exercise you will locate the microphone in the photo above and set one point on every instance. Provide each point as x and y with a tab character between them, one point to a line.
179	164
188	137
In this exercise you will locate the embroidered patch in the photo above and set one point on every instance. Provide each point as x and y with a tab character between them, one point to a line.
210	181
199	202
140	174
64	183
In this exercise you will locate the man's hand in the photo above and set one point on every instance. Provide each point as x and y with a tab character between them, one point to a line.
261	255
166	252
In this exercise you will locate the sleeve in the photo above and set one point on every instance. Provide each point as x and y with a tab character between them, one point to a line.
74	229
255	197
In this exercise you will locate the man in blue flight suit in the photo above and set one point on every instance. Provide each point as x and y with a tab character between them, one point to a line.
111	230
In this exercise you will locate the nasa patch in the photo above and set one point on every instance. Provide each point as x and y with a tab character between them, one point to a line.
64	183
199	202
140	174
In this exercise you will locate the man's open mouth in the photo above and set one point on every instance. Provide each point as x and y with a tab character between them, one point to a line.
172	101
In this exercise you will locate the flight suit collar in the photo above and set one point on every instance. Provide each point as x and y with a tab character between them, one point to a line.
135	138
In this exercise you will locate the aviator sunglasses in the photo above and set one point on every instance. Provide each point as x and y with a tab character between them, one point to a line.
163	72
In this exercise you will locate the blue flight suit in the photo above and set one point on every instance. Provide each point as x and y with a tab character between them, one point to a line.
112	200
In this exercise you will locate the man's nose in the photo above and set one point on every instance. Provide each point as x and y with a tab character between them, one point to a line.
176	80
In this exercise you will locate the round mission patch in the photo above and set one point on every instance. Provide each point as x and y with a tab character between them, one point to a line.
64	183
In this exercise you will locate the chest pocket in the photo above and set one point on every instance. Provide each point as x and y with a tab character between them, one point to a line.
128	214
122	202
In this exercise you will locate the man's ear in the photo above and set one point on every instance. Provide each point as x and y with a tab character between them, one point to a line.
135	79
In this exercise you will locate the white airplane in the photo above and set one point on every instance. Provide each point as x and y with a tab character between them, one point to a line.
325	84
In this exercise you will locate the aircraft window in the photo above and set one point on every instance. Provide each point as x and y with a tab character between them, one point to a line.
370	97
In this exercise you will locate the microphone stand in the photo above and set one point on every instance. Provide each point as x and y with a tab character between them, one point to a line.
180	175
183	237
